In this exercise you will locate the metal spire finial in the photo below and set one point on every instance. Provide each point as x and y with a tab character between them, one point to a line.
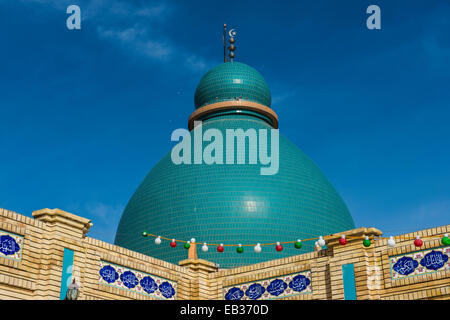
231	47
224	43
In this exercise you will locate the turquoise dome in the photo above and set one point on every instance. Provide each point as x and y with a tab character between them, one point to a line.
231	80
231	204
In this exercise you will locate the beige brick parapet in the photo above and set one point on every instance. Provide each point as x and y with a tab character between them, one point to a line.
37	273
354	235
57	216
201	286
199	264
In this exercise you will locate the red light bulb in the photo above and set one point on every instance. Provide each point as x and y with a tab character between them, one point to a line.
279	247
418	242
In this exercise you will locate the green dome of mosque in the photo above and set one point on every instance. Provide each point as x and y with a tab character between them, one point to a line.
232	204
231	80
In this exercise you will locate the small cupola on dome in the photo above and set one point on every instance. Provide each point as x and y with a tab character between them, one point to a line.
232	88
231	81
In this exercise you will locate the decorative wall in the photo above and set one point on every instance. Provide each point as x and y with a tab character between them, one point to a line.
136	281
419	262
11	245
273	288
33	266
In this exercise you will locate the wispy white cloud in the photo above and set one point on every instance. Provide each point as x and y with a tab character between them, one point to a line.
53	3
281	97
154	11
103	211
136	40
105	218
132	27
195	62
141	38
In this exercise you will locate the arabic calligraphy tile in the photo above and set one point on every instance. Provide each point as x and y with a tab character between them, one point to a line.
434	260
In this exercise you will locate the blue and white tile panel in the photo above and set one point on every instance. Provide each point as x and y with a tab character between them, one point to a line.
273	288
137	281
419	262
11	245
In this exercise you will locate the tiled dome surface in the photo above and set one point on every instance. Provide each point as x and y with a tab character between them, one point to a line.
233	204
231	80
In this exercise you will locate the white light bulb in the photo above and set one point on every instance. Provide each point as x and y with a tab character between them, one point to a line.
158	240
321	242
204	247
193	240
258	248
391	242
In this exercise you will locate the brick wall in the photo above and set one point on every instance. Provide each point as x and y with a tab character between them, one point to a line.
36	273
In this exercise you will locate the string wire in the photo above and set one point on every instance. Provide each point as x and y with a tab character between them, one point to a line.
372	237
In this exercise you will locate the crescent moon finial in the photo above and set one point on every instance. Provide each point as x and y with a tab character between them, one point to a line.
232	33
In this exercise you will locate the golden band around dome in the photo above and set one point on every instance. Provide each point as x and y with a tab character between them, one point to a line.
233	105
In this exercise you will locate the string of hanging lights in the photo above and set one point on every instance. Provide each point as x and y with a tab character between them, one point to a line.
367	242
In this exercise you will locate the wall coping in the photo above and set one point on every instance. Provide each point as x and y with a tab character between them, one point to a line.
199	264
352	235
64	217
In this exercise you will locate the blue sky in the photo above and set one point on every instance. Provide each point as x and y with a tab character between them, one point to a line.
85	114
